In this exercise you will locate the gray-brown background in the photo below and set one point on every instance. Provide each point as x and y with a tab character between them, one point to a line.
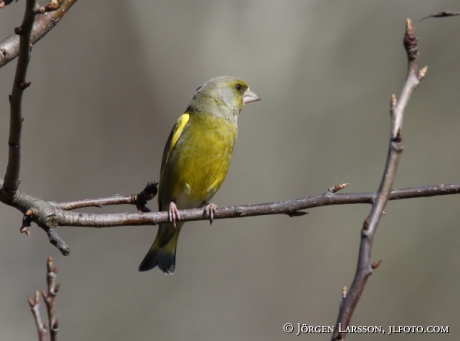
109	82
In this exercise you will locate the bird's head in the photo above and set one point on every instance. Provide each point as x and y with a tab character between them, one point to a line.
223	96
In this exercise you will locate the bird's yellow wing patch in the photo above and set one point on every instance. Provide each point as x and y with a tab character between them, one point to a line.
173	137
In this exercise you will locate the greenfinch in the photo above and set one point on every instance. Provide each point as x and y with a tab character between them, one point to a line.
196	160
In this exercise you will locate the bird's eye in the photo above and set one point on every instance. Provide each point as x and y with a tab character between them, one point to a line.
238	87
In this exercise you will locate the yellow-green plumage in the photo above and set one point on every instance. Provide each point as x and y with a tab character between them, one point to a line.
196	159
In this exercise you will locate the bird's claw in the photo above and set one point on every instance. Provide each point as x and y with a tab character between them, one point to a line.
209	211
173	213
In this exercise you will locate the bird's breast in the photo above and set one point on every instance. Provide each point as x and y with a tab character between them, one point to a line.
199	162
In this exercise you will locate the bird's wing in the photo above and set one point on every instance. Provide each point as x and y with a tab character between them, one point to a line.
173	138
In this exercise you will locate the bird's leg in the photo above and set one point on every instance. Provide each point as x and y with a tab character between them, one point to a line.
173	213
209	210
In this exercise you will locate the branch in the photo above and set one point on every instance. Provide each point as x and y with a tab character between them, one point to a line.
291	206
11	182
35	308
50	299
365	267
9	47
50	215
140	200
288	207
442	14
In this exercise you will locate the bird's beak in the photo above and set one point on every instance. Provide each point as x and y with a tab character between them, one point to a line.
250	96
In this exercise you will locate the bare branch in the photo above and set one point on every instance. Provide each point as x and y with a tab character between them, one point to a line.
442	14
140	200
49	298
325	199
365	266
10	185
35	308
11	182
9	47
50	215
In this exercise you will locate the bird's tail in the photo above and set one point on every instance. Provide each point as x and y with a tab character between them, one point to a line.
162	253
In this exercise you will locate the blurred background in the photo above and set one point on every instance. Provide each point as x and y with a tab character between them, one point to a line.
109	82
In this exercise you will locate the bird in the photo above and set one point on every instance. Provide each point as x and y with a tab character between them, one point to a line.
195	161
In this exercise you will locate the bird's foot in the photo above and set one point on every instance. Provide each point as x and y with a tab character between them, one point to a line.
173	213
209	210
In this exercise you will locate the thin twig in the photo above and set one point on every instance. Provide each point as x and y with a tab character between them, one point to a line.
442	14
35	308
140	200
9	47
49	298
50	301
365	266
